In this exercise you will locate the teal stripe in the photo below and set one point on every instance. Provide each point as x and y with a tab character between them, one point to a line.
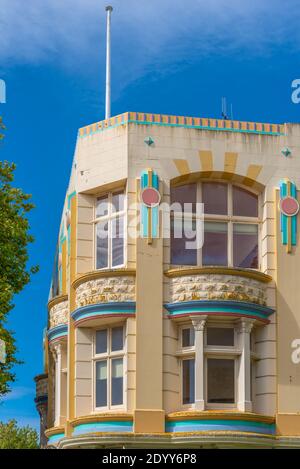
62	239
294	218
155	181
70	197
218	310
185	126
144	180
144	221
144	214
155	214
249	423
112	426
55	438
155	211
220	425
294	230
283	218
59	334
293	190
101	313
283	189
284	229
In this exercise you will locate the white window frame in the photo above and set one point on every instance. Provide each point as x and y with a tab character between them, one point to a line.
229	219
109	217
221	352
216	405
108	356
184	353
210	351
186	356
253	361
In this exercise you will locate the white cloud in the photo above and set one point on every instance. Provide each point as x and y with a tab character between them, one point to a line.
147	34
18	392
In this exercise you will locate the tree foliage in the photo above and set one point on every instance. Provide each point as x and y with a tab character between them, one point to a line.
14	274
14	437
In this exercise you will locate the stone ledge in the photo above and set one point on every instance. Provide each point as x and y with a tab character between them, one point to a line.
247	273
57	299
94	275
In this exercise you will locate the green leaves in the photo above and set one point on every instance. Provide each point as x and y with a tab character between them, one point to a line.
6	374
14	437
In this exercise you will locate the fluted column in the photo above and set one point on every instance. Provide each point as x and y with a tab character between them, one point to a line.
199	325
56	351
244	370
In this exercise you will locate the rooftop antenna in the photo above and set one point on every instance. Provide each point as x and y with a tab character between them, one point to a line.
108	9
224	109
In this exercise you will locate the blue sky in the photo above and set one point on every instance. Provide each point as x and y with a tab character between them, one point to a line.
169	56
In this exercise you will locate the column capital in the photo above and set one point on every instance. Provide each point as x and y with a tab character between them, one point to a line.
245	325
55	350
198	322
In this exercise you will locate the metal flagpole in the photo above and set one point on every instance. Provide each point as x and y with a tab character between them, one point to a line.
109	9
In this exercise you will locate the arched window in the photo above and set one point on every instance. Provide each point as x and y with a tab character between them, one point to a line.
231	225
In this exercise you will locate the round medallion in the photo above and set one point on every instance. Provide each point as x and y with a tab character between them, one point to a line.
289	206
150	197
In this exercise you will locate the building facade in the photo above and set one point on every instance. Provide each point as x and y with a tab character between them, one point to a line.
173	316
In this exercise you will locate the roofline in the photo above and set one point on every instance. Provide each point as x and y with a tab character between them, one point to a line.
200	123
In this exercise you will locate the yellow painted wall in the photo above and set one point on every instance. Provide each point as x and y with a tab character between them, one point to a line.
149	287
288	304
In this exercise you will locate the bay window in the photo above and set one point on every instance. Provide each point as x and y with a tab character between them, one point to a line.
221	356
230	228
225	361
108	368
109	230
188	381
220	381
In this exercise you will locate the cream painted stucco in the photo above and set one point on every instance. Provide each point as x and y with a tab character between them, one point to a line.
114	158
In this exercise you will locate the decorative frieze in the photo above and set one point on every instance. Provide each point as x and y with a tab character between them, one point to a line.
106	289
58	314
217	287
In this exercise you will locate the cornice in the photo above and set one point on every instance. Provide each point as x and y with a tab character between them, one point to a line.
246	273
103	274
57	299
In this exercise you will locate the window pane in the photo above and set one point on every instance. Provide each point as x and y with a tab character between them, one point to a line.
188	337
118	202
101	384
102	206
220	381
116	339
188	381
117	381
245	246
214	198
101	341
117	241
220	336
102	245
244	202
183	232
185	195
214	251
